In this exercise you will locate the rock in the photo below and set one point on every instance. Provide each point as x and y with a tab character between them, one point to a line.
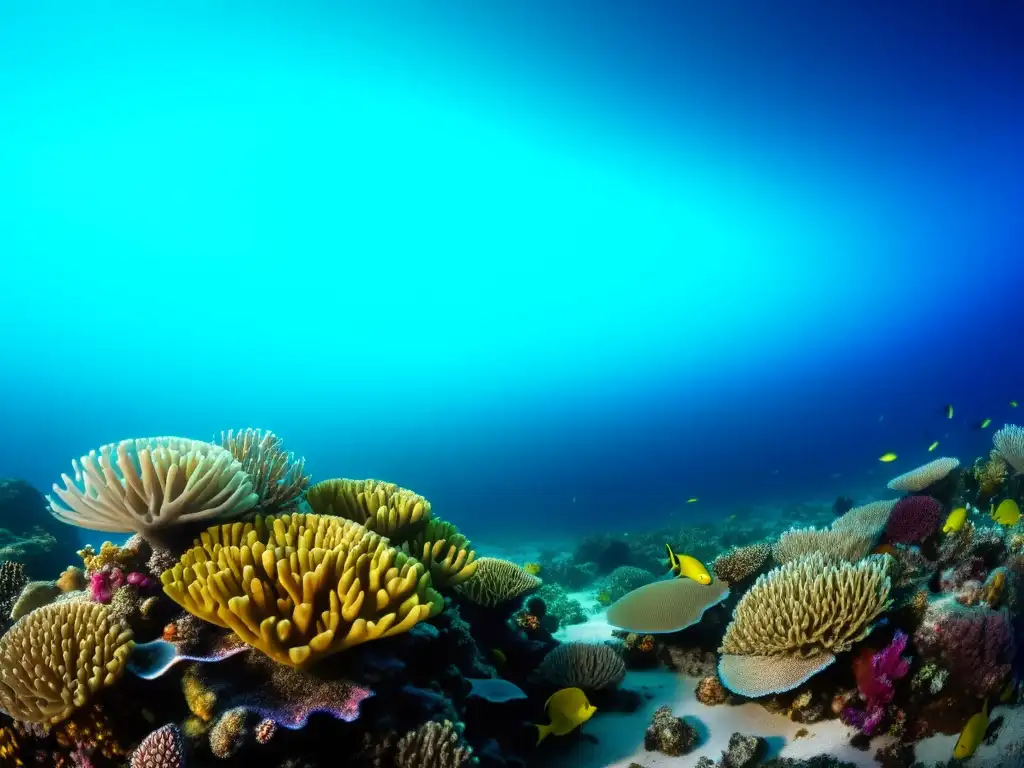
669	734
29	534
743	751
705	762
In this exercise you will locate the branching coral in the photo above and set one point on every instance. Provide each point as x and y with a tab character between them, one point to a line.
741	563
148	484
497	581
1009	441
917	480
277	477
56	658
581	665
848	545
990	475
301	587
789	625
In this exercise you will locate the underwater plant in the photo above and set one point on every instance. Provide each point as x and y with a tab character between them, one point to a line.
301	587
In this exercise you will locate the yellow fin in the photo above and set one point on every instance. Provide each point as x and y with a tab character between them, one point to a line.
543	731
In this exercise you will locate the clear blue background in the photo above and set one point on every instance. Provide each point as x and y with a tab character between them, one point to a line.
512	253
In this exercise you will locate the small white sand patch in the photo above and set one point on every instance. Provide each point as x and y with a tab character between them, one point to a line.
596	629
619	736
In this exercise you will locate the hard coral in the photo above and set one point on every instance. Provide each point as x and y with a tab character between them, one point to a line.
162	748
913	519
433	745
741	563
990	475
976	645
581	665
669	734
743	751
149	484
710	691
339	586
277	477
497	581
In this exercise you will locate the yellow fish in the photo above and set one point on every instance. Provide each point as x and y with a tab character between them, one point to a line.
500	659
972	734
955	521
568	709
688	567
532	568
887	457
1007	513
693	500
1013	403
984	423
949	411
933	446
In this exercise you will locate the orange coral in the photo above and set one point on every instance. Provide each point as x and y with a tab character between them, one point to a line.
90	731
528	621
72	580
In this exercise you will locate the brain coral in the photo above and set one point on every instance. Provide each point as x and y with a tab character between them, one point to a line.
1009	441
913	519
916	480
795	618
55	659
581	665
277	478
301	587
148	484
497	581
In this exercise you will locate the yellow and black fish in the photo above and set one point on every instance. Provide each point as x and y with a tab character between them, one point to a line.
687	567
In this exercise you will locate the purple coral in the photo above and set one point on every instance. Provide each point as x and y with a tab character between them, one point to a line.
877	687
913	519
976	645
161	749
103	584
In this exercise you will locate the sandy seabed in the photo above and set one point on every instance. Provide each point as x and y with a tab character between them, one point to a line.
614	739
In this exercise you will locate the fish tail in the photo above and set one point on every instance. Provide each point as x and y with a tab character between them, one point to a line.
673	563
543	731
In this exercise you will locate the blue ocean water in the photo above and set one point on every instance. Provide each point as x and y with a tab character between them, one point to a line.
556	266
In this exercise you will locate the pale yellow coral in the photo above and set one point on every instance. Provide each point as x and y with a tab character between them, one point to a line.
845	544
149	484
868	520
916	480
383	508
301	587
56	658
445	552
809	606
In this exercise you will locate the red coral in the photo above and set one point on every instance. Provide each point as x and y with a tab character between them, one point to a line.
976	645
913	519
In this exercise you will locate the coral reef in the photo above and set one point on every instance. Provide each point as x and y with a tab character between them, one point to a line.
12	581
43	676
146	485
1009	441
913	519
710	691
625	579
845	544
162	748
923	477
876	676
740	563
497	581
432	745
669	734
310	585
278	479
743	751
666	606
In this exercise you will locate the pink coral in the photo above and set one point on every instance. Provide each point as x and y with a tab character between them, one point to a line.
140	580
163	748
913	519
975	644
877	684
103	584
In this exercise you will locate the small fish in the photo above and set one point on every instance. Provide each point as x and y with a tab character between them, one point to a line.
983	424
568	709
500	659
887	457
533	569
688	567
1013	403
972	734
1007	513
692	500
947	410
933	446
955	521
